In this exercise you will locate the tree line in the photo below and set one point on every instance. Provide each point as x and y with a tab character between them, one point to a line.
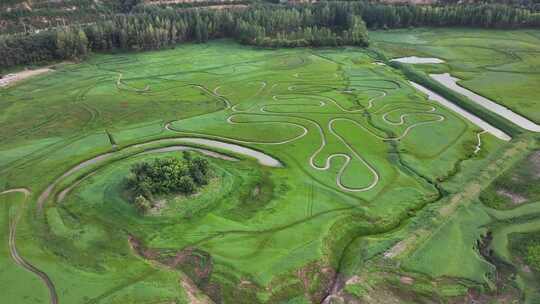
321	24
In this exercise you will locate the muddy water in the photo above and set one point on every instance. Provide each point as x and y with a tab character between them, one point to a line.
451	82
467	115
418	60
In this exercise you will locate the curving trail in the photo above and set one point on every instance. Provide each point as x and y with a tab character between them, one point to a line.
479	145
375	174
120	85
280	108
263	159
305	91
465	114
17	257
276	112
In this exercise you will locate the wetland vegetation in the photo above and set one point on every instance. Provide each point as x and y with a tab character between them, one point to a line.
227	172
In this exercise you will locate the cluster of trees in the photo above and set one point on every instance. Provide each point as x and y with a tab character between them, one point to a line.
64	43
31	16
320	24
154	27
328	24
324	24
166	176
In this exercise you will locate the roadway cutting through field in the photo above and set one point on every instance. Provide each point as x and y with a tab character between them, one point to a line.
17	258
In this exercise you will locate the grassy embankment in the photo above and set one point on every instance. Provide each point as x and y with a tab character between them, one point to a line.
279	233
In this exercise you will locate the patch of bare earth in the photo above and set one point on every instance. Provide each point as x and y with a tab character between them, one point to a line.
193	292
195	271
324	276
383	294
406	280
354	280
515	198
404	245
10	79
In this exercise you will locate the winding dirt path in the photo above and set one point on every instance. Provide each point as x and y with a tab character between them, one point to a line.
263	159
17	258
319	101
479	145
465	114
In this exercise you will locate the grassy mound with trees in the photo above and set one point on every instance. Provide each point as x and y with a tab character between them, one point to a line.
165	176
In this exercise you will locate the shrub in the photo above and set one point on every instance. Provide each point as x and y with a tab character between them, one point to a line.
142	204
186	184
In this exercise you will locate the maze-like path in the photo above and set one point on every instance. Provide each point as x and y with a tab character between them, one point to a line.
337	122
305	106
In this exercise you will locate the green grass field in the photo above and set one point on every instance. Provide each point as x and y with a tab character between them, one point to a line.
365	158
502	65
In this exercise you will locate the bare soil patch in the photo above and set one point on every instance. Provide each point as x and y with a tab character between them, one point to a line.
515	198
196	267
325	276
406	280
10	79
400	247
193	292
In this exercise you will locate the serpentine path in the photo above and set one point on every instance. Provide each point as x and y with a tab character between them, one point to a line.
269	110
469	116
15	254
318	101
280	108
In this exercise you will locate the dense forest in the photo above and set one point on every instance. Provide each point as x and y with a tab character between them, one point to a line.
146	27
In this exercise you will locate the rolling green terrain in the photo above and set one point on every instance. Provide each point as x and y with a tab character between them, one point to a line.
354	183
502	65
500	220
